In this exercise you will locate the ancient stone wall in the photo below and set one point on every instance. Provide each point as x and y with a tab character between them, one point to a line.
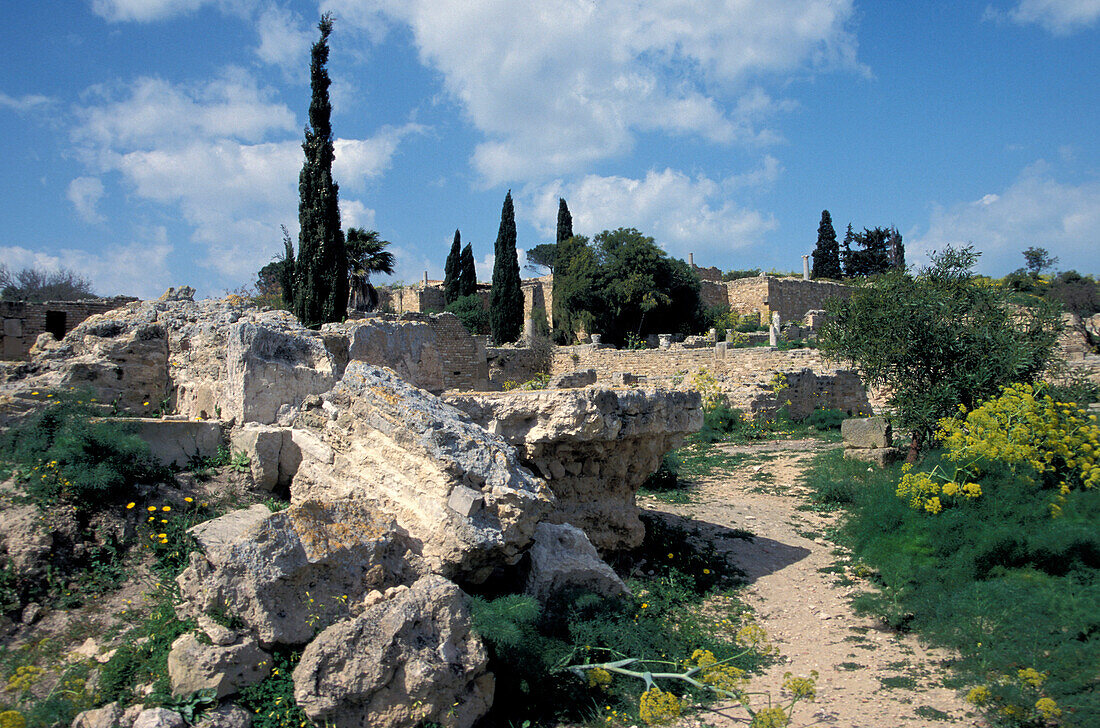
538	292
745	375
714	293
791	298
23	322
513	364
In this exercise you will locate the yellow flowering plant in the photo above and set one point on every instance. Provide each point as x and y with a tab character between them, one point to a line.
1055	444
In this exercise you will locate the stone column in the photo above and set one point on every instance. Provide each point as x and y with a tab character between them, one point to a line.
805	267
773	330
664	341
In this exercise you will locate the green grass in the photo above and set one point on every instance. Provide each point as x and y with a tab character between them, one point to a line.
995	579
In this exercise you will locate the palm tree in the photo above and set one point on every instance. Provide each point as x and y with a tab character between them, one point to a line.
366	254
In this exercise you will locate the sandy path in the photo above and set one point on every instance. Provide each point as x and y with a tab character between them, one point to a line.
869	678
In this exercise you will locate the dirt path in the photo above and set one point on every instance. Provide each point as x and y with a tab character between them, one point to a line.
869	678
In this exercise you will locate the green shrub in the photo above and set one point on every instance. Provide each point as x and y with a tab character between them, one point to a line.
64	455
996	579
471	312
271	703
826	419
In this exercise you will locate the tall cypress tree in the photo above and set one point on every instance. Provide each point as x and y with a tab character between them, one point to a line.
846	251
452	270
506	296
827	252
320	273
897	250
565	222
467	272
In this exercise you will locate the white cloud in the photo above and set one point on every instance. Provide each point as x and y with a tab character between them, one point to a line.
1036	210
284	38
1060	17
85	194
145	11
156	113
358	160
24	103
225	155
354	213
137	269
683	214
574	82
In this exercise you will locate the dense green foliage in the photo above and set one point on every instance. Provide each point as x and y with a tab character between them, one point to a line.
937	339
320	272
660	622
271	702
367	254
623	286
827	252
995	579
64	455
467	273
471	313
452	270
506	297
565	222
542	256
873	255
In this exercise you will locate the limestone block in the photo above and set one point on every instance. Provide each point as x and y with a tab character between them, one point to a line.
570	380
408	660
225	669
559	433
264	446
380	438
13	347
260	565
880	456
13	327
562	558
225	716
268	367
176	442
159	718
866	432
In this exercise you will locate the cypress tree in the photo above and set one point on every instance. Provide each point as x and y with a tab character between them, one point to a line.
846	252
565	222
467	272
506	296
897	250
827	252
320	273
452	270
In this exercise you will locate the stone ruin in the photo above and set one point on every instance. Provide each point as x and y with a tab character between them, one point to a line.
400	499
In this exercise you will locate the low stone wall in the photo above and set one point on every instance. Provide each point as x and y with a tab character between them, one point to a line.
745	375
177	441
512	364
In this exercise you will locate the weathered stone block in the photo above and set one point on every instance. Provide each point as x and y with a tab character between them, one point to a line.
408	660
194	666
562	558
866	432
176	442
572	380
264	446
13	327
880	456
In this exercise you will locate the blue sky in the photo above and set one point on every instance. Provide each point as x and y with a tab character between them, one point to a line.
148	143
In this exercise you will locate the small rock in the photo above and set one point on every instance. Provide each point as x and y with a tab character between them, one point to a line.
109	716
193	666
226	716
219	634
159	718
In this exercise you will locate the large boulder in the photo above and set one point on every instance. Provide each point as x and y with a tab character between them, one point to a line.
595	447
866	432
409	660
457	490
289	574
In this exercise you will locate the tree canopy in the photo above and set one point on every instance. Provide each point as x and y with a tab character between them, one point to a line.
623	285
938	339
542	255
467	273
